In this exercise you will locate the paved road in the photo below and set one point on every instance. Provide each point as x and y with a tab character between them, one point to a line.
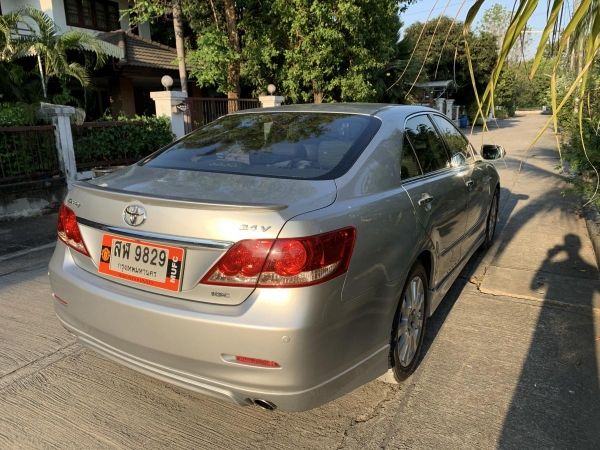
511	355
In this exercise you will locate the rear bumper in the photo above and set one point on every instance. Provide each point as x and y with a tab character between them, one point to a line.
183	342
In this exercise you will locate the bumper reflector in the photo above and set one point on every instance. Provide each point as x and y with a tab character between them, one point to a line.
248	361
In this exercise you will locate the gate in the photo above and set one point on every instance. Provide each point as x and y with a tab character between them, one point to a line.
200	111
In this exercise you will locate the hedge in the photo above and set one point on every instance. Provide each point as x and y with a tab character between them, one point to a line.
122	141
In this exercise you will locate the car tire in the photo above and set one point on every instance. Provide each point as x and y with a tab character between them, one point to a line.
492	220
409	326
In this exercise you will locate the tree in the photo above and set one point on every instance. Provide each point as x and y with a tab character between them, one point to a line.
48	46
496	21
332	51
216	60
440	53
149	10
577	41
10	44
574	43
311	50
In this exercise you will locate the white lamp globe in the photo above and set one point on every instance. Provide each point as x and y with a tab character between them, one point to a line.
271	89
167	82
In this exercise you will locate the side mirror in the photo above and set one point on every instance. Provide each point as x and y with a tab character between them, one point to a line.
492	151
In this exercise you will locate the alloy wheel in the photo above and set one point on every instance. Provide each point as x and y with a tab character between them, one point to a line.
410	324
492	219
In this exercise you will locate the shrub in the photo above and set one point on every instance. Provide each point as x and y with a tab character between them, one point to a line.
17	115
118	141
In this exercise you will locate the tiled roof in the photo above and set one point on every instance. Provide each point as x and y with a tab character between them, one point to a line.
141	52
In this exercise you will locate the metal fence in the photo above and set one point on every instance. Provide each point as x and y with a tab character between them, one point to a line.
200	111
27	153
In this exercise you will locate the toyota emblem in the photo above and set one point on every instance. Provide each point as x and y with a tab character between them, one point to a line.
134	215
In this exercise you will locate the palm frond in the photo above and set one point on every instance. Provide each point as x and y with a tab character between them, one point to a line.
46	27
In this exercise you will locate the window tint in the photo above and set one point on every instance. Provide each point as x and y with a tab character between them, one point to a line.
287	145
458	145
427	144
409	166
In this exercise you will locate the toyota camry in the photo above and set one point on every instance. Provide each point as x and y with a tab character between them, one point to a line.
280	257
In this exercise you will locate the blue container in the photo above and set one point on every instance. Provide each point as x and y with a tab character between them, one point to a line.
463	121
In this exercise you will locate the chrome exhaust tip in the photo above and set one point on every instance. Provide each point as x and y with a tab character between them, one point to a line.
264	404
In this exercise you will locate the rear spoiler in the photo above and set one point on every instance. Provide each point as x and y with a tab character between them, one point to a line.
175	201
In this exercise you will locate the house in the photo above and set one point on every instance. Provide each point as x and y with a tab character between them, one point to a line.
136	64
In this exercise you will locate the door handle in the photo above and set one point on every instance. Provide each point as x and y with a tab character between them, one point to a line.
425	200
470	184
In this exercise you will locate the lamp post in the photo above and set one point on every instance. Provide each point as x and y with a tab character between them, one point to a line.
268	101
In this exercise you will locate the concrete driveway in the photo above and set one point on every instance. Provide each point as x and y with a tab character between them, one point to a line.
511	356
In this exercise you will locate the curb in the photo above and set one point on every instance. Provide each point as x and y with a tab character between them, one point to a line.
26	251
592	222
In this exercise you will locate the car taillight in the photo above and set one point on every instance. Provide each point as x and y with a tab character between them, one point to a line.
284	262
68	230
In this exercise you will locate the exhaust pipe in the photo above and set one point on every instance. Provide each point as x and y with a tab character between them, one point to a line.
264	404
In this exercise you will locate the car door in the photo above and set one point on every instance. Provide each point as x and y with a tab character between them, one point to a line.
439	195
477	179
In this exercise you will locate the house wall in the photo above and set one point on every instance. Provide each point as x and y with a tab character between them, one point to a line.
56	10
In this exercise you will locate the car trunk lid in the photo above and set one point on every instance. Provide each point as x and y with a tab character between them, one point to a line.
201	213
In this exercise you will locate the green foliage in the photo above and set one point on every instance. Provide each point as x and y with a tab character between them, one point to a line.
506	93
19	85
440	54
25	154
17	115
581	140
309	49
123	140
208	64
496	21
333	50
49	46
535	92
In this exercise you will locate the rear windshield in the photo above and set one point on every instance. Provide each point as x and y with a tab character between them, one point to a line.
285	145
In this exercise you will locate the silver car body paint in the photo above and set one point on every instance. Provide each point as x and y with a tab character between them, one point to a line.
328	338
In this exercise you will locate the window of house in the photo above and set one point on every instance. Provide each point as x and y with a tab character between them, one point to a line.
100	15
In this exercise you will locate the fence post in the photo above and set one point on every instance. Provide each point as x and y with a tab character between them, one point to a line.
269	101
439	104
449	108
166	105
60	115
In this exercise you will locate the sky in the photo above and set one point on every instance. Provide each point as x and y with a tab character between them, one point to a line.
419	12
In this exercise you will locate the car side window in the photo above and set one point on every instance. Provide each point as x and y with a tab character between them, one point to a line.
427	144
409	165
458	145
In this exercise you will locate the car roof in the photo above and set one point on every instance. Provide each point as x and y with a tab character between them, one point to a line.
371	109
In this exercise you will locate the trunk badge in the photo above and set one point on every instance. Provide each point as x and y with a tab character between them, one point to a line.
134	215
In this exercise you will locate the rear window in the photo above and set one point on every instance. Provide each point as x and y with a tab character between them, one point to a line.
285	145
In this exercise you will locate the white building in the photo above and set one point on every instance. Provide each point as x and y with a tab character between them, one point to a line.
137	63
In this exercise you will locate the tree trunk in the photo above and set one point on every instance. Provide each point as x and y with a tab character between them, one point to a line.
42	77
317	92
233	69
179	44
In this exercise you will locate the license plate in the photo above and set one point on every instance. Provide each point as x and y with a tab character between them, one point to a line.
142	262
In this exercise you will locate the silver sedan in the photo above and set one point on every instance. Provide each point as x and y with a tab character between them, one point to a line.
280	257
